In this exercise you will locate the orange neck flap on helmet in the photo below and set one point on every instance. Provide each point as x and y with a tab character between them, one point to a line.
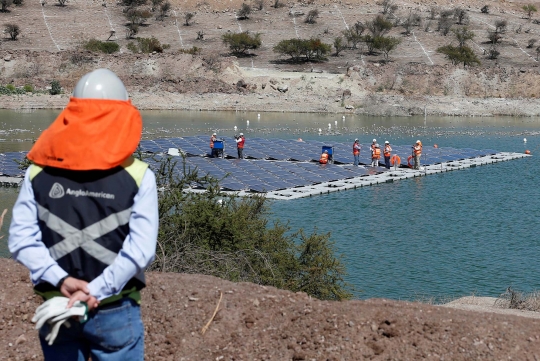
89	134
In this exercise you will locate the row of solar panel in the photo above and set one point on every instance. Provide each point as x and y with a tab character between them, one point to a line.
9	166
280	149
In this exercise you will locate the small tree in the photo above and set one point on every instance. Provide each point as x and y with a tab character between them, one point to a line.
459	55
529	10
132	30
13	30
433	12
62	2
386	44
239	43
379	26
485	9
461	16
56	88
531	42
338	45
311	17
501	25
493	53
187	18
388	7
462	35
134	3
444	25
200	35
278	4
353	35
244	12
494	37
5	5
137	17
18	2
163	10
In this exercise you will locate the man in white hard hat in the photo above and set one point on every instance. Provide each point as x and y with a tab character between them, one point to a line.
240	140
417	152
213	151
85	224
356	151
387	154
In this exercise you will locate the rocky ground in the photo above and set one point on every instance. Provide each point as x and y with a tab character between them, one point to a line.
263	323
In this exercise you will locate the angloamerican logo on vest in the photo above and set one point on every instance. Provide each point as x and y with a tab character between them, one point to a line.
57	191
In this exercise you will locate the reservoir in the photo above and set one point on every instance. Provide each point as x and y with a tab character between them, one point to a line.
458	233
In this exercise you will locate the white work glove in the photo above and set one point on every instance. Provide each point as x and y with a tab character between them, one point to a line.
54	312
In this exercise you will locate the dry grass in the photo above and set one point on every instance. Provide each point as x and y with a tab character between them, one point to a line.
513	299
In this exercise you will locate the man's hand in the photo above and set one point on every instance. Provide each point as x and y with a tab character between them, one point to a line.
72	285
90	300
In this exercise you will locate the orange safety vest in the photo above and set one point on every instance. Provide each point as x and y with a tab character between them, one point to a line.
212	142
376	153
387	150
417	149
324	158
240	144
355	151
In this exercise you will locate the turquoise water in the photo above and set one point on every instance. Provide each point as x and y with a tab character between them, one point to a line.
451	234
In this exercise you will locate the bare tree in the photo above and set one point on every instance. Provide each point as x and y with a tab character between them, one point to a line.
354	34
259	4
187	18
244	12
500	26
311	17
493	53
485	9
494	37
13	30
389	7
200	35
433	12
163	10
5	5
156	4
461	16
529	9
531	42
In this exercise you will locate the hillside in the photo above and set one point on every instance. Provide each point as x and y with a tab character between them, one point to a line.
416	79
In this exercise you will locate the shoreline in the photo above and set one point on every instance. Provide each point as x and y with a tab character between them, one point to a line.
370	105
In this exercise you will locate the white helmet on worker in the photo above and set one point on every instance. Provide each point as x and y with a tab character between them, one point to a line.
356	140
386	142
417	141
374	140
101	84
214	133
241	134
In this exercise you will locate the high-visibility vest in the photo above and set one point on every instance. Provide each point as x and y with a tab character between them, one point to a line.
376	153
212	139
355	149
84	217
324	158
240	144
387	150
418	150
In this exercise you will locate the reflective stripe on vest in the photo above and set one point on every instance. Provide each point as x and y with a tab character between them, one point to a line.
387	151
376	153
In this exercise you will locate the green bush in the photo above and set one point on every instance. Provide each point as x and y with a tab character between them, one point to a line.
10	90
303	50
56	88
147	45
11	87
28	88
107	47
229	237
239	43
193	51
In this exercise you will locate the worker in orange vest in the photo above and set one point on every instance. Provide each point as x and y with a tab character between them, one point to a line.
387	154
324	157
356	151
417	151
213	152
375	155
240	140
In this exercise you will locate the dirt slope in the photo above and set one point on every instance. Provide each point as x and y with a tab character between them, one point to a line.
264	323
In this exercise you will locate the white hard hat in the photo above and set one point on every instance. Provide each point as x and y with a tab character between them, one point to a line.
417	141
374	140
101	84
377	145
386	142
356	140
214	134
241	134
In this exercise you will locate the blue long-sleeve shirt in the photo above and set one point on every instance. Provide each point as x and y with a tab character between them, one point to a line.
138	249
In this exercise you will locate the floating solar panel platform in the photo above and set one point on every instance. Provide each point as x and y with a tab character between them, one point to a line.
288	169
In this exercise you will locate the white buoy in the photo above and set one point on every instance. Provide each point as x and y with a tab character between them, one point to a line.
335	122
329	126
524	140
235	127
259	116
343	118
247	122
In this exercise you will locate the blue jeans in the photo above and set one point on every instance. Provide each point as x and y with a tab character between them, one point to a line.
387	162
112	333
357	159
